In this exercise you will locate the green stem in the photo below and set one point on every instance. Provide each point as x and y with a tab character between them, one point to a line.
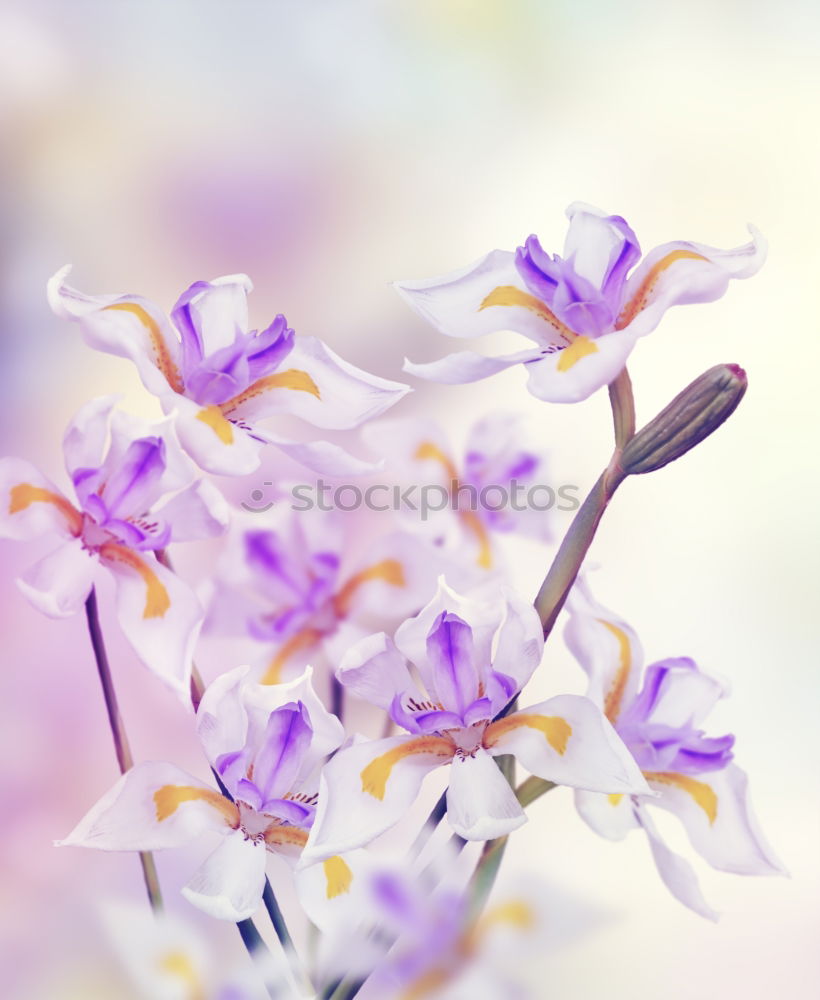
117	726
623	408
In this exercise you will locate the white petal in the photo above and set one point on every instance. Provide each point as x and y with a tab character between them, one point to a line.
59	584
229	884
481	805
86	436
563	377
221	719
375	671
216	444
716	812
677	874
199	511
567	740
151	807
520	640
367	788
220	311
610	816
330	891
464	367
319	456
159	614
31	505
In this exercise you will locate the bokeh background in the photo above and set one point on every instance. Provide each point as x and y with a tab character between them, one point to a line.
327	149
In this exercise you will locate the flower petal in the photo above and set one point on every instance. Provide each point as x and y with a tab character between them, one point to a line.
59	583
606	647
221	719
486	296
716	812
330	890
86	435
367	788
567	740
151	807
375	671
677	694
573	373
481	805
159	614
318	386
229	884
125	325
215	443
31	505
324	457
520	640
464	367
198	511
610	816
211	314
675	872
681	272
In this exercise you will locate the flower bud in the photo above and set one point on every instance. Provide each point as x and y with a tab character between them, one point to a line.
690	418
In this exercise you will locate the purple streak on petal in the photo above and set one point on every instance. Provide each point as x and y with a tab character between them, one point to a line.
621	260
539	271
95	508
231	768
286	739
270	348
450	652
248	792
132	485
289	811
437	721
402	715
192	350
86	482
480	710
145	535
580	305
501	689
220	376
655	679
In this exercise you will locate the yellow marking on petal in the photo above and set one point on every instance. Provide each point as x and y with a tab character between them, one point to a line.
179	965
293	378
640	300
23	495
282	835
169	798
615	798
215	419
515	913
615	695
555	730
388	570
581	347
157	600
475	525
375	776
430	450
703	794
427	984
162	356
338	876
509	295
301	640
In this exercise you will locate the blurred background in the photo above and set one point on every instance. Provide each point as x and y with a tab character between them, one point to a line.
327	149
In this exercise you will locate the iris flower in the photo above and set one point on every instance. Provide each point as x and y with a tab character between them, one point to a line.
472	659
132	497
585	311
267	745
220	379
693	776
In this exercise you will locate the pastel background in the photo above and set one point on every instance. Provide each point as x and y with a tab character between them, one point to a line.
327	149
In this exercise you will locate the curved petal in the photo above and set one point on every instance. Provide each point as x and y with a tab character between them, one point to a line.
573	373
159	614
681	272
567	740
520	640
210	315
675	872
153	806
481	805
31	505
610	816
367	788
324	457
221	719
229	884
198	511
486	296
464	367
375	671
330	890
125	325
602	247
318	386
86	435
215	443
607	649
60	582
675	693
717	815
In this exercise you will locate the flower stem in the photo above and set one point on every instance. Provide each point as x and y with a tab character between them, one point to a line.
115	721
623	408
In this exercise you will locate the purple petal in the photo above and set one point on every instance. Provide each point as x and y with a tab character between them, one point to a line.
450	652
437	721
540	272
192	350
289	811
270	348
622	259
132	486
284	744
221	375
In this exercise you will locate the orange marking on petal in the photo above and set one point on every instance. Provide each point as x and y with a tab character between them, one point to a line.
475	525
162	356
301	640
509	295
338	876
157	600
293	378
640	300
615	695
282	835
581	347
703	794
169	798
23	495
555	730
427	449
215	419
179	965
615	798
376	774
388	570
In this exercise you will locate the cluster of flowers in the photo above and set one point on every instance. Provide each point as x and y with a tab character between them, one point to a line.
421	624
